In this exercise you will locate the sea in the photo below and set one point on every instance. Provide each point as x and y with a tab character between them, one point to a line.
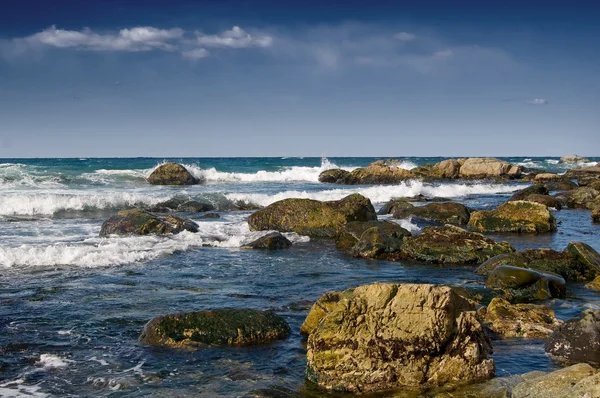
72	304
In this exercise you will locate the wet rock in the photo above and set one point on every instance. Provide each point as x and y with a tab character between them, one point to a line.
371	239
577	340
238	327
379	172
513	259
195	207
489	167
449	168
573	159
445	213
595	284
584	175
272	241
394	205
172	174
520	320
596	215
142	222
582	198
168	205
311	217
548	177
587	259
333	176
518	216
537	189
525	285
577	381
451	245
323	306
565	185
209	215
383	336
242	205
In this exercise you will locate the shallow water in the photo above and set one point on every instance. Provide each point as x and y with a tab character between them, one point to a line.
73	304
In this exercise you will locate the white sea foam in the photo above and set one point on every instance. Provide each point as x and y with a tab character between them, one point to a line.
101	252
17	389
381	194
50	361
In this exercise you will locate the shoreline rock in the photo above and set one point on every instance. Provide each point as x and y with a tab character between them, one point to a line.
237	327
525	285
444	213
172	174
384	336
142	222
371	239
519	320
515	217
311	217
271	241
577	340
573	159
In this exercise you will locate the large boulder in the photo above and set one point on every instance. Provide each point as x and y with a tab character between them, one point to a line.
451	245
577	340
172	174
445	213
519	320
582	198
379	172
227	326
489	168
384	336
518	216
596	215
142	222
525	285
371	239
586	258
311	217
573	159
271	241
449	168
536	189
333	176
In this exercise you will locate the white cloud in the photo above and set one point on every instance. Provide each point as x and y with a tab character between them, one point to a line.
143	38
404	36
197	53
236	37
443	53
538	101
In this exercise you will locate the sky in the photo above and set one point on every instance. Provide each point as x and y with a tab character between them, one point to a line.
299	78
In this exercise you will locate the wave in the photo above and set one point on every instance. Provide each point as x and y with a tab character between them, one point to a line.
101	252
381	194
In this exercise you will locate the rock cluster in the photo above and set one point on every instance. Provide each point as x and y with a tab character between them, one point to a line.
142	222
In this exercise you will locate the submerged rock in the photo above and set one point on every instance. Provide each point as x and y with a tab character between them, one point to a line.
218	327
383	336
142	222
371	239
577	340
311	217
445	213
272	241
525	285
452	245
518	216
172	174
596	215
520	320
573	159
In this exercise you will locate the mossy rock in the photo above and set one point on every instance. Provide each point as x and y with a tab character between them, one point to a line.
526	285
451	245
594	285
586	258
582	198
272	241
537	189
237	327
371	239
520	320
142	222
546	200
565	185
172	174
396	204
518	217
333	176
444	213
168	205
514	259
311	217
193	206
596	215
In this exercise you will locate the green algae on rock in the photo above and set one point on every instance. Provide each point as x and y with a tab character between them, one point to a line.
519	320
172	174
142	222
311	217
445	213
238	327
384	336
525	285
518	216
371	239
452	245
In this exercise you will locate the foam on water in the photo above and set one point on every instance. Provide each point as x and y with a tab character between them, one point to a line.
17	389
50	361
382	194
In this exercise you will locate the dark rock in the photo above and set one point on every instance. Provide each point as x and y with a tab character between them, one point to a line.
172	174
168	205
582	198
451	245
311	217
596	215
444	213
525	285
238	327
209	215
518	216
586	258
195	207
577	340
333	176
142	222
537	189
395	204
272	241
371	239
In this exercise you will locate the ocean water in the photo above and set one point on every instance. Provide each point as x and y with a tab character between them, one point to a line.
72	305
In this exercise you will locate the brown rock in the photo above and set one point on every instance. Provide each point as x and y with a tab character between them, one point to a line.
520	320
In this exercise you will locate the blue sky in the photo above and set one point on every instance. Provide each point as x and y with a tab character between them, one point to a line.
299	78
